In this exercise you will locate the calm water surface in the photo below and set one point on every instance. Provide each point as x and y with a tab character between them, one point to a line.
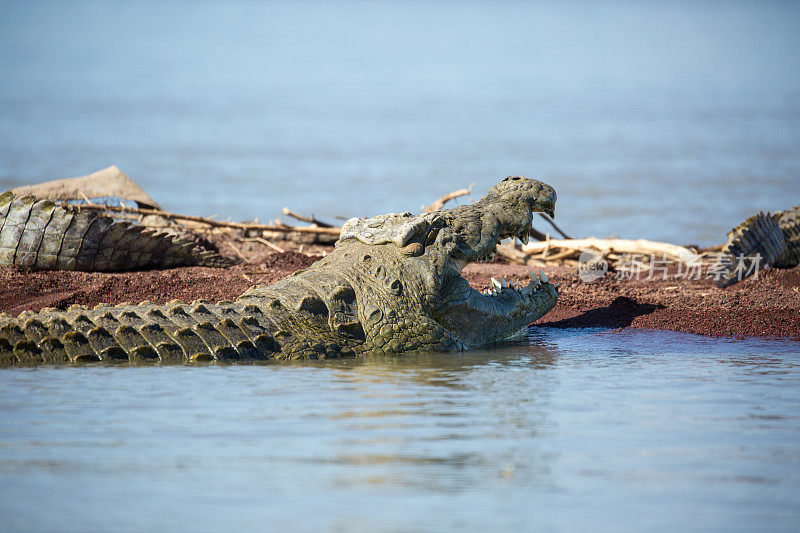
574	430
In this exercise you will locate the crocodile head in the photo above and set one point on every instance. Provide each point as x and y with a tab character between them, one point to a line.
419	260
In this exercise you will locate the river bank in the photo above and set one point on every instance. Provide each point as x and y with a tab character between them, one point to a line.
767	307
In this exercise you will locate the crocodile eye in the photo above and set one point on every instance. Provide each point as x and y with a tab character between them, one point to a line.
432	234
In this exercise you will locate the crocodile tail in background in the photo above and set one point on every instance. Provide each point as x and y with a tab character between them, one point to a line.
42	235
789	221
144	333
762	240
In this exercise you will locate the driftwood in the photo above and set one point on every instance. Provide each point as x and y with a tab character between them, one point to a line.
545	251
621	253
112	182
606	246
513	254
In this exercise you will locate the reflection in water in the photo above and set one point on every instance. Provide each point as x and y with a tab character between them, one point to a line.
557	431
425	411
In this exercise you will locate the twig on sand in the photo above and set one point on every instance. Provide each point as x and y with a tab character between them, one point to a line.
267	243
236	250
304	218
85	199
438	204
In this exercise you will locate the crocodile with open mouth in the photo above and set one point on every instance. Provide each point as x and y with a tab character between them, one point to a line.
391	285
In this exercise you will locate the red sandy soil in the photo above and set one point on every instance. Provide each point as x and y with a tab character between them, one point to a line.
767	306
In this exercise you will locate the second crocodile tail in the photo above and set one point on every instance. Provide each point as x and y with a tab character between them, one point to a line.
40	234
762	240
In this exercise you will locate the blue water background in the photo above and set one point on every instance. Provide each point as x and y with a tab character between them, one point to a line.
665	120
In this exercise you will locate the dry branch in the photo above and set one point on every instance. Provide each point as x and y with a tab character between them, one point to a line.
438	204
214	223
267	243
555	226
304	218
236	250
323	233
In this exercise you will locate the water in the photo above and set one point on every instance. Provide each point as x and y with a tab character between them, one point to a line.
670	121
573	430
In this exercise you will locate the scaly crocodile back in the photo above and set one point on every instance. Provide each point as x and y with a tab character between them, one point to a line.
40	234
773	237
789	221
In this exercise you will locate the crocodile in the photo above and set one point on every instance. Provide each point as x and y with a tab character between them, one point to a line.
392	284
764	239
44	235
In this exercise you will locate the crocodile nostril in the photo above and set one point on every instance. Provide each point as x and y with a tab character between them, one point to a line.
397	287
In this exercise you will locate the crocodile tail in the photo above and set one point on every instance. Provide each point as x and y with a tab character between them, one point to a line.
789	221
42	235
144	333
755	243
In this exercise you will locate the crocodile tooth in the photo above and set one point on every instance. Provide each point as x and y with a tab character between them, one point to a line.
497	283
503	283
524	238
543	276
